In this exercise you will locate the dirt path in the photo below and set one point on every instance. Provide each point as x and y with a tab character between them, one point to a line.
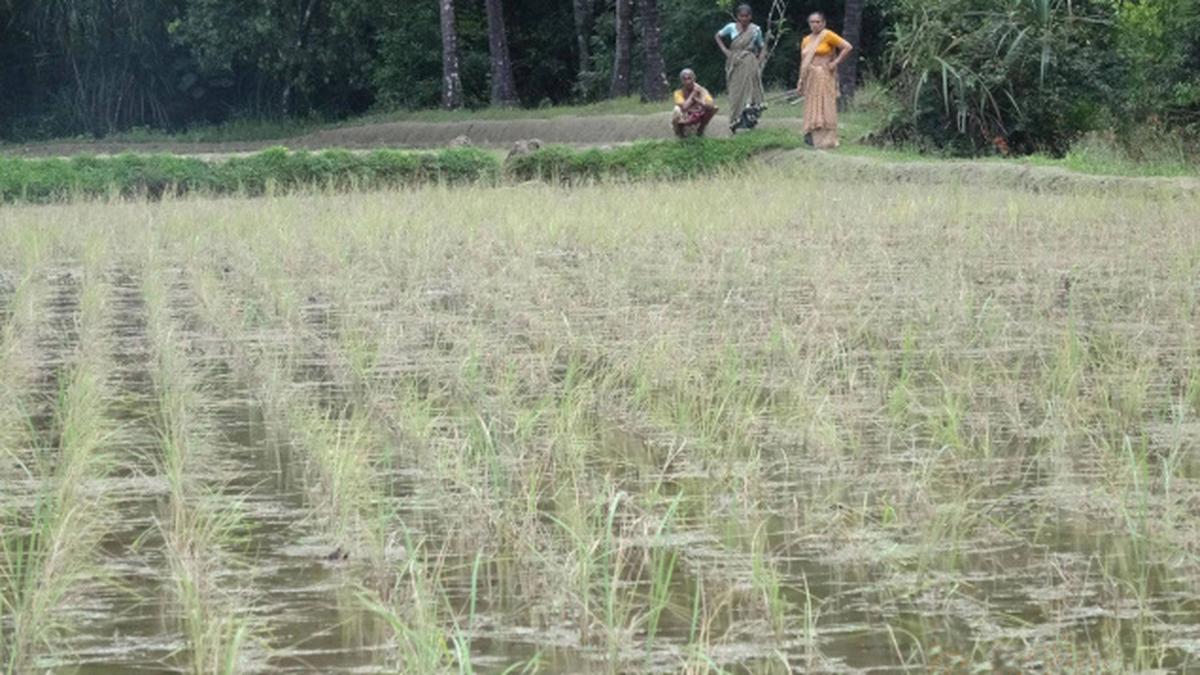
583	130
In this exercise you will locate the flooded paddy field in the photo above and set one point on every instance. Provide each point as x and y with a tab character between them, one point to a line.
762	424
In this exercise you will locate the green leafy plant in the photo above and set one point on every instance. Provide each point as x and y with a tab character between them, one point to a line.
1015	76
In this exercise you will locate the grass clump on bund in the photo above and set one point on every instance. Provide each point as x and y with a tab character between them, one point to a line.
273	170
665	159
279	170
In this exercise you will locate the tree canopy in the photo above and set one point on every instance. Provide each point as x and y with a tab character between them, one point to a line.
1036	72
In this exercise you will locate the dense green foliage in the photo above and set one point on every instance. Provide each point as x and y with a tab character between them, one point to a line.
1034	75
99	66
1032	72
966	75
1159	45
649	159
41	180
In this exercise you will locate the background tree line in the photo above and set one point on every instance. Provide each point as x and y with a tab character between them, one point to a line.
961	72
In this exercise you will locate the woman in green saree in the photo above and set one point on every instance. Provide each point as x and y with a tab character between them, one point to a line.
743	62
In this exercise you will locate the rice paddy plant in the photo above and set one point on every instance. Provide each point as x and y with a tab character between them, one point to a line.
1191	393
946	421
599	558
664	560
340	448
343	451
200	527
706	610
1129	576
215	629
48	550
531	413
767	585
1118	389
416	616
16	338
812	617
338	451
357	352
341	482
39	574
717	405
1062	376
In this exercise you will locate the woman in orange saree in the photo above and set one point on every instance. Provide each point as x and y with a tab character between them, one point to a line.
820	54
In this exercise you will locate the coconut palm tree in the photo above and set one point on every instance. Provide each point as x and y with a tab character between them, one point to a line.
654	80
852	31
584	22
452	95
504	87
623	54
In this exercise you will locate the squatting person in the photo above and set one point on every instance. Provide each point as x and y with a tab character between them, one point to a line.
694	107
821	52
743	62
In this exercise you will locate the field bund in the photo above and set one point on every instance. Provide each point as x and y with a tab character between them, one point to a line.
798	417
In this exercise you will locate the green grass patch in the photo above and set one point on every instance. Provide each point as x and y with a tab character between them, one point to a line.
630	105
233	131
1084	161
279	170
273	129
666	159
1157	155
276	169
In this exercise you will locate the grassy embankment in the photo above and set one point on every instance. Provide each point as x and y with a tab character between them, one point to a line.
1100	154
277	170
40	180
901	428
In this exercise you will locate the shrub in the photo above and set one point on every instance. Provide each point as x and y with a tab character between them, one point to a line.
1159	41
1025	75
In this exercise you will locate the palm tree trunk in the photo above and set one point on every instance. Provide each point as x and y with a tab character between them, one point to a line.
504	87
654	81
452	95
584	22
852	31
286	99
623	57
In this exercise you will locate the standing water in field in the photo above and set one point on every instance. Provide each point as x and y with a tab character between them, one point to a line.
609	429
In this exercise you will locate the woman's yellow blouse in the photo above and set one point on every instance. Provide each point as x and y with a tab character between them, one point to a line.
829	43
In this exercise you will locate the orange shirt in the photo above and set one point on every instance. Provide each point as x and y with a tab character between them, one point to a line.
829	43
